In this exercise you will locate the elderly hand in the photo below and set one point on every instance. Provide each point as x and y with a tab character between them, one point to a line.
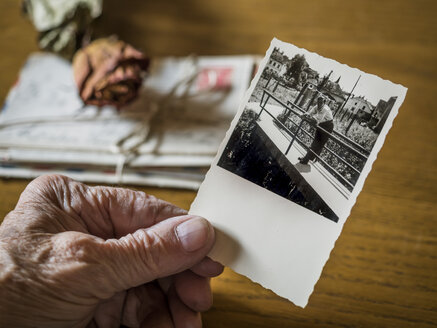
78	256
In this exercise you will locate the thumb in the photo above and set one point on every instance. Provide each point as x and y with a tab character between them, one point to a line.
166	248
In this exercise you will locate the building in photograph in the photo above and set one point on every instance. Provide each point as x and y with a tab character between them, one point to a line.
277	63
381	112
358	106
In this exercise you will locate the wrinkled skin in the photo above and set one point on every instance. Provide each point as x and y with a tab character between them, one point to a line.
79	256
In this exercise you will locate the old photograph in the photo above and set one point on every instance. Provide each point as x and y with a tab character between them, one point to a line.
292	165
308	129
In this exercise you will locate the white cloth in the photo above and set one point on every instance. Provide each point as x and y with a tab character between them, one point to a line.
323	115
48	14
63	25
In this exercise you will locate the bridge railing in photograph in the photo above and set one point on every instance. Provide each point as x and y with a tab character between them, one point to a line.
346	146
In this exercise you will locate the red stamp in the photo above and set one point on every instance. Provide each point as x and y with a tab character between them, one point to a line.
215	78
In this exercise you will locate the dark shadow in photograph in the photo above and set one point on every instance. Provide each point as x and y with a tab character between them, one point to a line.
252	155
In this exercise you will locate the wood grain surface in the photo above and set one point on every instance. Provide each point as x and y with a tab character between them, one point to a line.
383	270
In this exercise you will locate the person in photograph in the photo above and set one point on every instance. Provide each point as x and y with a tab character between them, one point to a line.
321	115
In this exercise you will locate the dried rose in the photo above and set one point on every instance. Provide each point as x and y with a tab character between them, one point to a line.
109	72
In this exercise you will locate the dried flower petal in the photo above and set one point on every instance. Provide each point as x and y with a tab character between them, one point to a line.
109	71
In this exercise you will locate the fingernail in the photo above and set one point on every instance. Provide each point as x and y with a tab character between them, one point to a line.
193	233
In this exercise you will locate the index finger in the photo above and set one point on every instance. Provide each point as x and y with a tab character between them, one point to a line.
106	212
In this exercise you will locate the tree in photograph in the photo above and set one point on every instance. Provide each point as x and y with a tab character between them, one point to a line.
295	68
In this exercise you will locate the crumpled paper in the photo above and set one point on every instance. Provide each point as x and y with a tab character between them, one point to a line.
63	25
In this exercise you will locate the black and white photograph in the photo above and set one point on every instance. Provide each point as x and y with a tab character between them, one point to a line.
292	165
308	129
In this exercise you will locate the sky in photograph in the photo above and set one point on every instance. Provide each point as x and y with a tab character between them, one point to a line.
370	86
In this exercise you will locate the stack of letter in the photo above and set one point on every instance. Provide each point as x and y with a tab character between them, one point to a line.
167	137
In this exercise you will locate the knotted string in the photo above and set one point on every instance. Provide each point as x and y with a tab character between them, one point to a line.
179	93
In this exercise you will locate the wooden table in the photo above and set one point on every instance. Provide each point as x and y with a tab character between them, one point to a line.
383	270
